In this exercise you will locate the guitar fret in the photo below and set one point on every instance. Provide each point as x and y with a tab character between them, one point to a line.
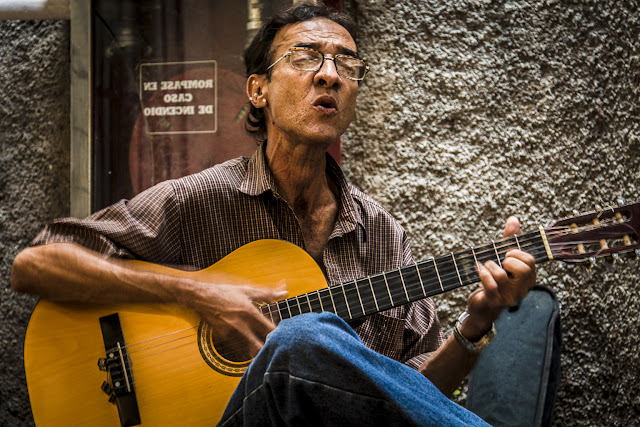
316	306
420	277
474	257
389	292
496	251
437	274
346	301
374	294
309	302
361	305
410	279
403	287
288	308
517	242
298	301
328	301
403	284
332	301
467	264
276	312
456	266
280	305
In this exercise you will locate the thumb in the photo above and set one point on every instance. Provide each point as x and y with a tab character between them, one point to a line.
269	294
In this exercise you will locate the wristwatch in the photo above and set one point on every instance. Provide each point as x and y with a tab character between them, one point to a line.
477	346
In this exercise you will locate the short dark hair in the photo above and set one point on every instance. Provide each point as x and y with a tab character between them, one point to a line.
258	56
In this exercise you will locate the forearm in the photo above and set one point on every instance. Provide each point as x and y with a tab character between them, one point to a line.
68	272
448	366
451	363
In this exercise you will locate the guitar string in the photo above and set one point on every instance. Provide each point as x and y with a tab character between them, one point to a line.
148	340
368	300
222	343
523	243
170	349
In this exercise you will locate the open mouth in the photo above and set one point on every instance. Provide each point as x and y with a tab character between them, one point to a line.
326	104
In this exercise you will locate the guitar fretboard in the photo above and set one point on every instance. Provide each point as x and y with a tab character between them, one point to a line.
372	294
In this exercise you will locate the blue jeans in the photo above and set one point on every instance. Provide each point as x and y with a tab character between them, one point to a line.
315	370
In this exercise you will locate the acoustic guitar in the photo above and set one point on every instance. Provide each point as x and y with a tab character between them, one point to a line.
95	365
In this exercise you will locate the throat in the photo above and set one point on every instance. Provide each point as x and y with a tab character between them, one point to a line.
317	225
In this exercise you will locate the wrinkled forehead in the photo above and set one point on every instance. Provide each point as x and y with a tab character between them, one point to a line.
318	33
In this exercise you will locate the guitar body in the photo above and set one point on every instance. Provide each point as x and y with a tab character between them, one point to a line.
175	382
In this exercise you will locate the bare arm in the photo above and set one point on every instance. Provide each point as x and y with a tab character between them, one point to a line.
66	272
501	288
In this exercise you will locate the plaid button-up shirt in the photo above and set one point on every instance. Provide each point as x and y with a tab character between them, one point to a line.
198	219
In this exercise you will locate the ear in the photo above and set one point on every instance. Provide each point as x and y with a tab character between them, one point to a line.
257	90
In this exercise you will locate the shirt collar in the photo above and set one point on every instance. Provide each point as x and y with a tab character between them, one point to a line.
258	179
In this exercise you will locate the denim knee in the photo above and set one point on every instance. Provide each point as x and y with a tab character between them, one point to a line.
307	331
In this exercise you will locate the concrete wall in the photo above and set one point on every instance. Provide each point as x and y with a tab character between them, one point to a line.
477	110
474	110
34	175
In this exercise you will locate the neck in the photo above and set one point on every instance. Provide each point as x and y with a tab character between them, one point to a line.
299	171
301	178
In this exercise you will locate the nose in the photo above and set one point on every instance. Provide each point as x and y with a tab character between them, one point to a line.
327	74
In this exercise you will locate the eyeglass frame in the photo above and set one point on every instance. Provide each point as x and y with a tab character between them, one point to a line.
288	53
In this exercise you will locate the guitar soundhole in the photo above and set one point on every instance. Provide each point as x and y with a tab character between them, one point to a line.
232	348
226	355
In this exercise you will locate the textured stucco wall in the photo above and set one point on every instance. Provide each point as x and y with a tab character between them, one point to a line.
474	110
34	175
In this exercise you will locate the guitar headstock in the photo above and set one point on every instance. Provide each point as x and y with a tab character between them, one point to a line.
605	232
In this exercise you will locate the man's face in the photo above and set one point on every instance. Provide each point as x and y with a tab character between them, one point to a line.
306	106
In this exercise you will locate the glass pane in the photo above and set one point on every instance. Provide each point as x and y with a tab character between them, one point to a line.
168	89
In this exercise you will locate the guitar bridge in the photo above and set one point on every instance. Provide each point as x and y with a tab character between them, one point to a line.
119	384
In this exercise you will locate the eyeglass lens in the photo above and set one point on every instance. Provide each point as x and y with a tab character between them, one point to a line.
310	60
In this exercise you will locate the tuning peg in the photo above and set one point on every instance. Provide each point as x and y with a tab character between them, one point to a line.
613	259
589	264
609	263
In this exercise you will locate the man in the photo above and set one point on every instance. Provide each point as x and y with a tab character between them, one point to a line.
303	74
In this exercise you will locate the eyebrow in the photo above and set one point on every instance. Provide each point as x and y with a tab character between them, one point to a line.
341	49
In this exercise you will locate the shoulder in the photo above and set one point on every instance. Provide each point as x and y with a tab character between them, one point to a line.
372	212
223	177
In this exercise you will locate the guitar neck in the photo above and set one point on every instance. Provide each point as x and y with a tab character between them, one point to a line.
368	295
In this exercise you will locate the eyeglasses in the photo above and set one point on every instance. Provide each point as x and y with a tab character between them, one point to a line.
305	59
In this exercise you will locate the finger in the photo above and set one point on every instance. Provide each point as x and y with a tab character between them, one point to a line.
511	227
489	283
508	289
516	267
498	273
267	294
525	257
245	338
261	323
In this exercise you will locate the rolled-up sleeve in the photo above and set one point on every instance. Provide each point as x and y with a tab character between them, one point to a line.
145	227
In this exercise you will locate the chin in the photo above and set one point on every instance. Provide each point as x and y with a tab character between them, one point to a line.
326	136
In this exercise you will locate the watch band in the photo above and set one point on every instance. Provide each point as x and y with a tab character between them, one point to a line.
477	346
